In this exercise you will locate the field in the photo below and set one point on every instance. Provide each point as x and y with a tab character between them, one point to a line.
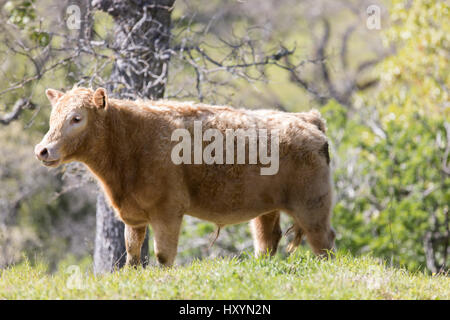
299	276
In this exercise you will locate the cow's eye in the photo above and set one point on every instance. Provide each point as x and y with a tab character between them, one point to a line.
76	119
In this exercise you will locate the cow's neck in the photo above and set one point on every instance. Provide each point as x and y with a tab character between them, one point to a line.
109	158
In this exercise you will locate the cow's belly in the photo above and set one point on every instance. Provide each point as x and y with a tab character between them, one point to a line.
235	208
227	218
222	197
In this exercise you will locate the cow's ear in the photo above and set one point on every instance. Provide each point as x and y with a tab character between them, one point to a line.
53	95
100	98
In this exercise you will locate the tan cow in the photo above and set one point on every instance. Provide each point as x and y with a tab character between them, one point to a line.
129	146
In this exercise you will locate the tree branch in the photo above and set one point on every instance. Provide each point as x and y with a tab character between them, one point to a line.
17	109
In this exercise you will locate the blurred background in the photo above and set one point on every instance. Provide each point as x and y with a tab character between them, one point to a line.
377	70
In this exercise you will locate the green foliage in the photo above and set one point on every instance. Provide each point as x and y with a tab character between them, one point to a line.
21	12
23	15
301	276
388	187
418	75
389	155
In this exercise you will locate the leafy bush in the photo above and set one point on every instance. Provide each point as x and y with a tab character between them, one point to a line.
389	183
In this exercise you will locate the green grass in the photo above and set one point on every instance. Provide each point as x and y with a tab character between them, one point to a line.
300	276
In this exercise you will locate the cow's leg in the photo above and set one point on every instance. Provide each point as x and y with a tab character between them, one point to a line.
314	220
297	239
134	238
266	233
166	233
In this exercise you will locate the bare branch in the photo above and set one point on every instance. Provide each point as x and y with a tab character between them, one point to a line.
320	54
17	109
344	48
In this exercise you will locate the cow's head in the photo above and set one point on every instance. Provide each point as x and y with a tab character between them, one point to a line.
72	119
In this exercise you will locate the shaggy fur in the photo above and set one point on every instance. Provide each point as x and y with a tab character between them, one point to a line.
127	146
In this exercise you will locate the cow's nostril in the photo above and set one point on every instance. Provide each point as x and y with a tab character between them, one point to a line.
44	153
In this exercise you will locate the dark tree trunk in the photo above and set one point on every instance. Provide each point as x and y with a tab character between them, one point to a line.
142	34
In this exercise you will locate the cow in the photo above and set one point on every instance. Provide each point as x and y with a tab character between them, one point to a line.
129	147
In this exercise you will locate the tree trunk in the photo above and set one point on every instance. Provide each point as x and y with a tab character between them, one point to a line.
142	34
110	252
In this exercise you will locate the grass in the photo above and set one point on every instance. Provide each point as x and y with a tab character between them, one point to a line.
300	276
